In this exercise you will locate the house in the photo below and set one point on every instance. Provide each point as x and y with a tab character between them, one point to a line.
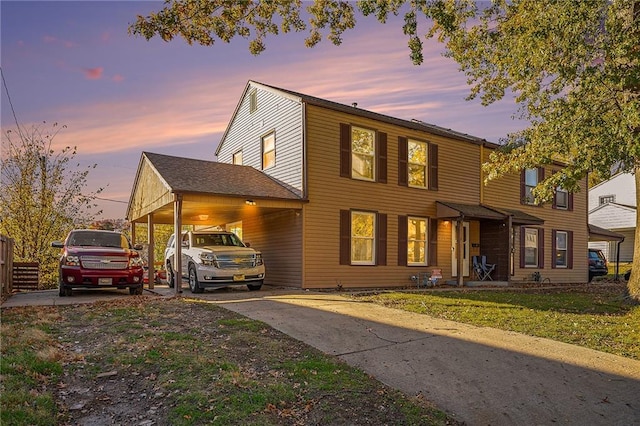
612	206
338	196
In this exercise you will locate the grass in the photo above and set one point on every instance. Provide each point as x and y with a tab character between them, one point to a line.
192	362
600	320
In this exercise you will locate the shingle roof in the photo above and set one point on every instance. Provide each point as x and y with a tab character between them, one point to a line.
184	175
480	211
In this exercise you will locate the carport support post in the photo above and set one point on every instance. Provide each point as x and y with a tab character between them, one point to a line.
177	231
151	271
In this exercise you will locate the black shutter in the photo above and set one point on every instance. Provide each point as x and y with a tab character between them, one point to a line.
541	248
403	152
570	249
433	242
554	248
433	166
345	150
381	237
381	154
523	190
345	237
403	224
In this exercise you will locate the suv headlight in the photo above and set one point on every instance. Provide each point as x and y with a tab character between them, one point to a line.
209	259
136	261
71	260
258	259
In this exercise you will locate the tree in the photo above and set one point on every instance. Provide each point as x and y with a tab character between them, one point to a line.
573	67
42	196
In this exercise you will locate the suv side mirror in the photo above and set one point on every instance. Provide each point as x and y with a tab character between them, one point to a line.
185	244
57	244
137	247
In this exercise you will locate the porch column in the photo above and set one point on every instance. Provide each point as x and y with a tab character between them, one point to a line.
151	271
177	257
460	254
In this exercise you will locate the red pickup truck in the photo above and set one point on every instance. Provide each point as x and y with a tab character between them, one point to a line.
96	259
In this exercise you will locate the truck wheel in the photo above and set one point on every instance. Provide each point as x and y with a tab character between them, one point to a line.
62	290
135	290
170	276
255	287
194	284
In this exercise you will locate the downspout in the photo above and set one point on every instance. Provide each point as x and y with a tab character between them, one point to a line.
617	278
460	253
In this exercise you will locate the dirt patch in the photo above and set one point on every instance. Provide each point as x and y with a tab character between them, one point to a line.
145	361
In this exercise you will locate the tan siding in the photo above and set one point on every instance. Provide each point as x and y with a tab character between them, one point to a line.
505	192
150	193
329	193
279	237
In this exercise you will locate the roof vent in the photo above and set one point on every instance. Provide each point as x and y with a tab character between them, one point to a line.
355	105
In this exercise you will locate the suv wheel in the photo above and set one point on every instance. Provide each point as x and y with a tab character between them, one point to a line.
255	287
194	284
170	276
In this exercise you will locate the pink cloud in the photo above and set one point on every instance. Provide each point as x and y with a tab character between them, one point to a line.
93	73
105	36
49	39
117	78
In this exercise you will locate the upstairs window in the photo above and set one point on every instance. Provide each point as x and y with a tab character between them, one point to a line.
561	199
529	179
417	163
363	154
237	158
268	151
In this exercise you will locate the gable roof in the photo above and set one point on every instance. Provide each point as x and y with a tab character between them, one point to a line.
353	110
182	175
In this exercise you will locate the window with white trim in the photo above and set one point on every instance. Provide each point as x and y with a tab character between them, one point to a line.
417	241
253	101
363	153
605	199
530	182
562	198
268	151
561	249
530	247
237	157
417	163
363	236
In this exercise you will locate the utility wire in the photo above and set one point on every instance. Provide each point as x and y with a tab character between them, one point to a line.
13	111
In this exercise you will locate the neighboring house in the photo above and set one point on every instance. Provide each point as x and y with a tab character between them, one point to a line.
612	206
337	196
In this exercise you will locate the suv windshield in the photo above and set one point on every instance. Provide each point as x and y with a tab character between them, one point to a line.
97	239
204	240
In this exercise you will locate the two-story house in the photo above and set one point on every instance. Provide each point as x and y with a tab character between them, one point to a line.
337	196
612	206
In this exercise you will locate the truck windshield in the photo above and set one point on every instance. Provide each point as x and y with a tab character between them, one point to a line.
98	239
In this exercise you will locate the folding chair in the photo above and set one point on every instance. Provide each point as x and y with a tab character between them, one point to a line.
482	269
477	268
487	267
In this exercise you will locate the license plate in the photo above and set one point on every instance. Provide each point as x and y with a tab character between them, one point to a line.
105	281
238	277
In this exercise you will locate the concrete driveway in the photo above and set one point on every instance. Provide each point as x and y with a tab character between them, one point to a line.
481	376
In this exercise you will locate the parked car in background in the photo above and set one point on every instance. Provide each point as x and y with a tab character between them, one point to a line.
627	275
213	259
96	259
597	264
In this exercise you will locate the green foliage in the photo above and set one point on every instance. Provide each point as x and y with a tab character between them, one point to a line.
42	196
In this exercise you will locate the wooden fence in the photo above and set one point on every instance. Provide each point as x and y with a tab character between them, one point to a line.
26	276
6	266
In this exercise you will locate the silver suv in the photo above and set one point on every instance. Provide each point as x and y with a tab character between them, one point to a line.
213	259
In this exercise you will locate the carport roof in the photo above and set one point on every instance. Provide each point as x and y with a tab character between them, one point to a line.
597	233
189	175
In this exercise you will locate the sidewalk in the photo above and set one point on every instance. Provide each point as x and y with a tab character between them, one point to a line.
481	376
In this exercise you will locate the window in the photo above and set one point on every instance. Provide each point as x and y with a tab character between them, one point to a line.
253	101
530	182
561	199
531	248
605	199
561	254
363	227
268	151
237	157
417	163
363	153
416	241
235	227
363	238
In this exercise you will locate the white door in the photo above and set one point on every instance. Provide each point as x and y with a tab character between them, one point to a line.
465	249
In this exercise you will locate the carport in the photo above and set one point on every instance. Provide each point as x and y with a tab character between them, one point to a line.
183	191
600	234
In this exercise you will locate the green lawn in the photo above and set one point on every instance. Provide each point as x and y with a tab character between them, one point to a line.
595	316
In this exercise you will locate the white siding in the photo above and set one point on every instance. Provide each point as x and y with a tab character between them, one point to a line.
613	217
622	186
280	114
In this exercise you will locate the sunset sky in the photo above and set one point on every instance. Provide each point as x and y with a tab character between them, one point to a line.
75	64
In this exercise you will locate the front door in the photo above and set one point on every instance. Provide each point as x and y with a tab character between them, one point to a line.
465	249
